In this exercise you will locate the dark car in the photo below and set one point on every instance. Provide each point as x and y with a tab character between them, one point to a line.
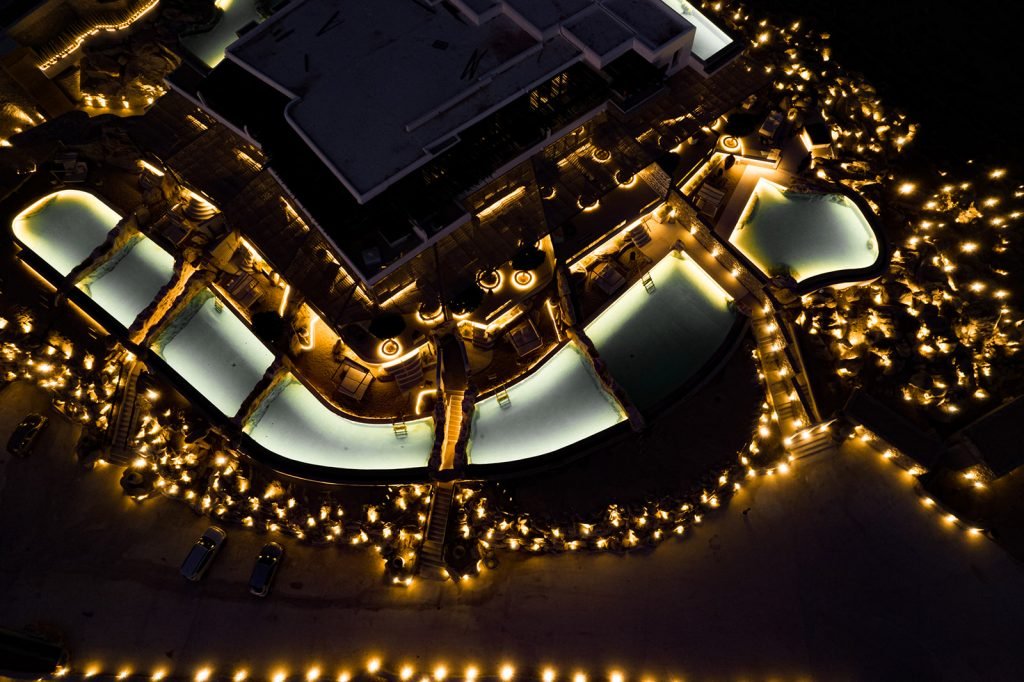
265	569
25	435
202	553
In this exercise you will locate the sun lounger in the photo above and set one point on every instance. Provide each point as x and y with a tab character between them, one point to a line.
524	338
355	379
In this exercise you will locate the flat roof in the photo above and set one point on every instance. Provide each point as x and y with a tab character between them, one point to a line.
378	89
402	77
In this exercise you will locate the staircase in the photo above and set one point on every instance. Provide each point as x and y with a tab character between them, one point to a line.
121	430
639	236
431	559
814	441
199	210
453	429
408	374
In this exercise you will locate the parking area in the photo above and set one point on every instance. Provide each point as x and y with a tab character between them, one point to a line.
834	571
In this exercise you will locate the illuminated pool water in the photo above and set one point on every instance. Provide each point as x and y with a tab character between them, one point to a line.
655	343
63	228
130	279
210	45
802	233
559	404
213	350
293	423
708	38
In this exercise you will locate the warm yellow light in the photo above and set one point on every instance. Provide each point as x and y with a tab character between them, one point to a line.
240	675
616	676
159	675
548	675
906	188
440	672
507	672
280	676
406	672
313	674
579	677
203	675
471	673
373	665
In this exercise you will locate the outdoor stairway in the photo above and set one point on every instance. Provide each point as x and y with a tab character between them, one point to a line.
121	429
408	374
813	441
431	559
639	236
778	377
452	429
198	210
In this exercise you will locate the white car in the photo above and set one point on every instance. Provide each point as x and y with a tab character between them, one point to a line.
202	553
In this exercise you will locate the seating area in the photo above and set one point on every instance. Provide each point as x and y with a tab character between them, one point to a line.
709	200
244	288
608	277
353	380
525	338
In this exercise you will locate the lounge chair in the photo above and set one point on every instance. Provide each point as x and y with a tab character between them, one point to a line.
608	278
524	338
355	379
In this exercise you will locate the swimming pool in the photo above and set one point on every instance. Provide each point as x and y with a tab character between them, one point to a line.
214	351
561	403
129	281
708	39
293	423
802	233
210	45
655	342
65	227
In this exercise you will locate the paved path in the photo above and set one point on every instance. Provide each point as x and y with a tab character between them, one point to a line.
835	571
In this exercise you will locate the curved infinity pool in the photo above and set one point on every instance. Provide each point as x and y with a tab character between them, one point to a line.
803	234
561	403
63	228
129	281
654	343
212	349
293	423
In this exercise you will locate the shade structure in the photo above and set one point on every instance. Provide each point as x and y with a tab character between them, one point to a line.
528	257
387	326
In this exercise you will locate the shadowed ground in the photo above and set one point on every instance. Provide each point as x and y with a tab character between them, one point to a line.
836	571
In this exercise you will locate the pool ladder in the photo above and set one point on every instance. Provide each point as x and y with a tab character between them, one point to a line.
401	430
648	283
503	398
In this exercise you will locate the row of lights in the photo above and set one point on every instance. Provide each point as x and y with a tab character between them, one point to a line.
373	668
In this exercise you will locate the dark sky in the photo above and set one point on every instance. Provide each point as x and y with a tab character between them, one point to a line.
955	67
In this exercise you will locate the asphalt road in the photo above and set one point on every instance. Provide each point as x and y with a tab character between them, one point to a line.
836	571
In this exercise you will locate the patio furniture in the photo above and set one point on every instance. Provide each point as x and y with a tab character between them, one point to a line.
245	289
525	338
608	278
355	379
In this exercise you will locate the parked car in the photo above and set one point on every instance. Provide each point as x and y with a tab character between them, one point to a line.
25	434
202	553
265	569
